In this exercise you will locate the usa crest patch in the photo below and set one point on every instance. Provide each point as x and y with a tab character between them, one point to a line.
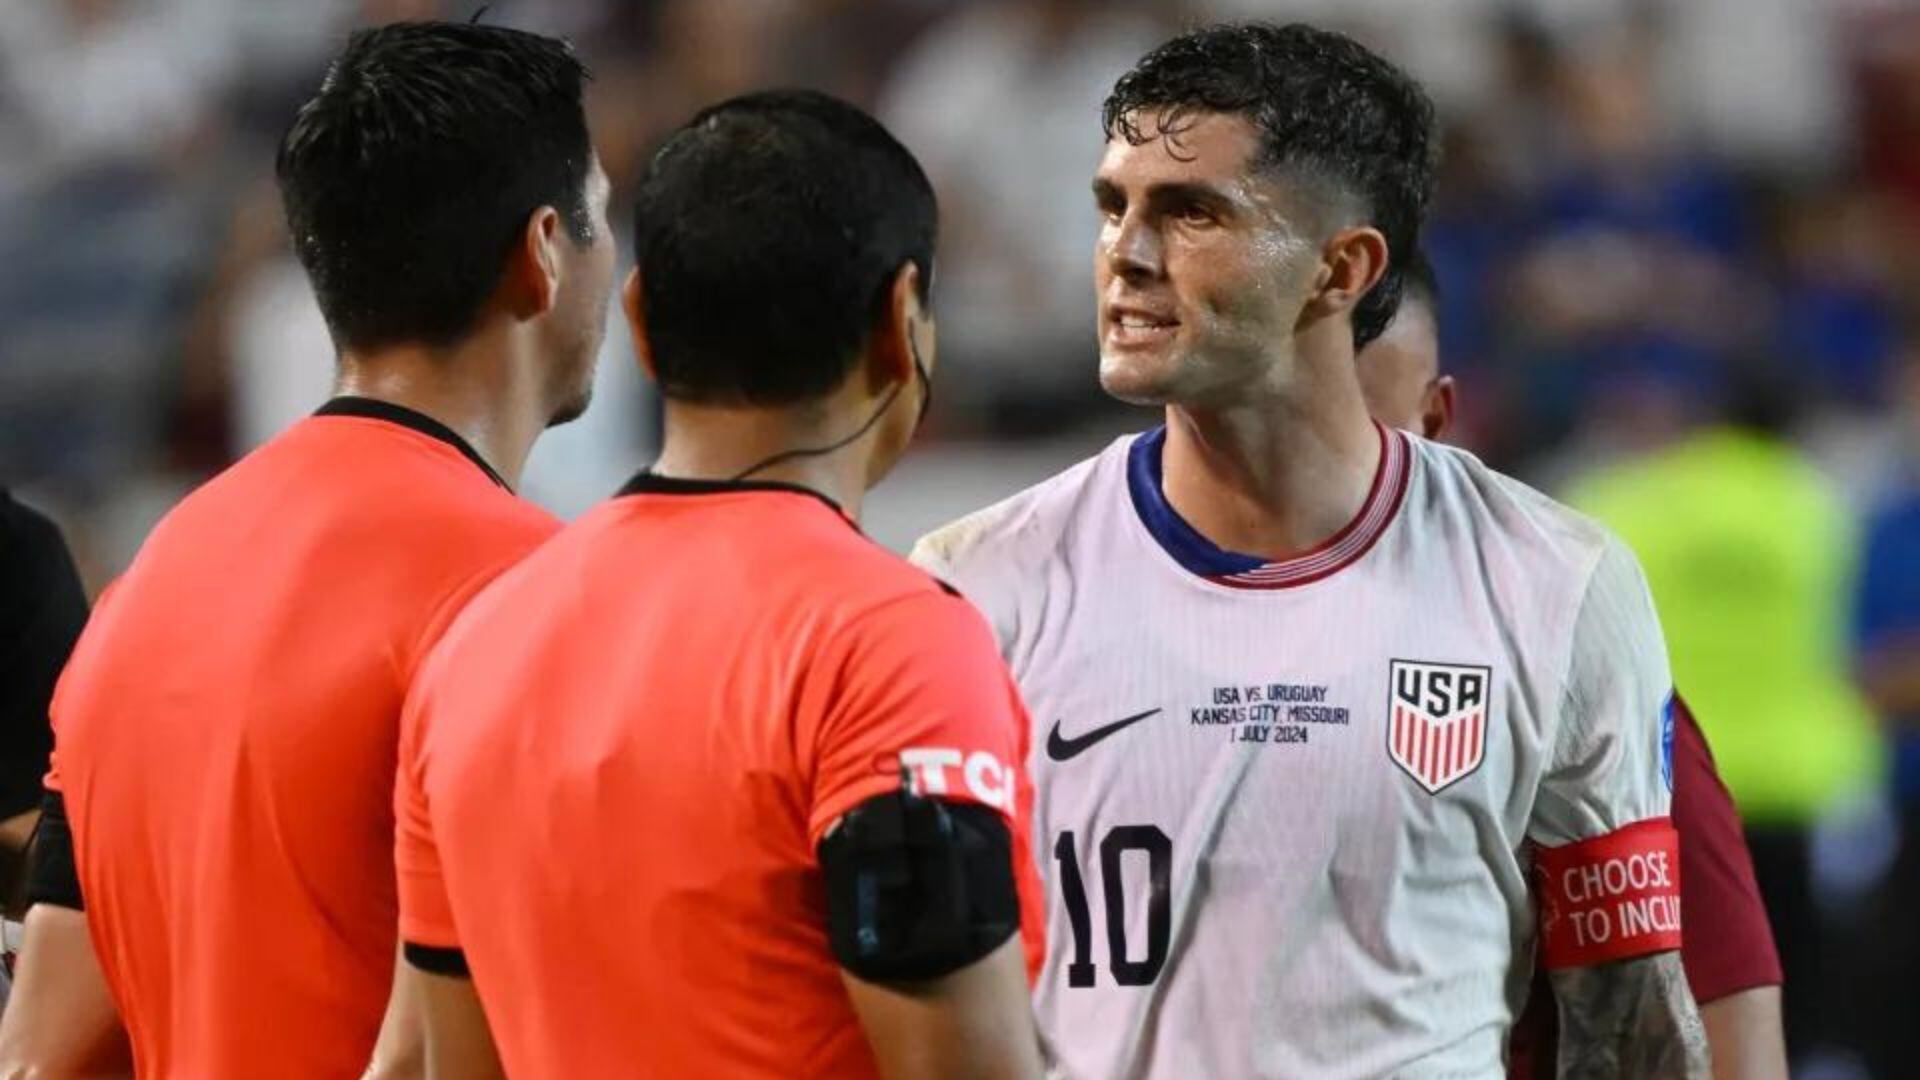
1438	721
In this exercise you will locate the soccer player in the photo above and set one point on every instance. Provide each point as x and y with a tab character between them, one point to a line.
1732	966
1310	689
712	785
225	734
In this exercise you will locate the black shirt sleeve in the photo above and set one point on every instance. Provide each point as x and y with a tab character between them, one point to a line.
42	609
432	959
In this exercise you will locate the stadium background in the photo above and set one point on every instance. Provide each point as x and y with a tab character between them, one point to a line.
1643	206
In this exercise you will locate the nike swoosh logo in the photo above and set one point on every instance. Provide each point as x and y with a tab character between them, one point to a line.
1060	749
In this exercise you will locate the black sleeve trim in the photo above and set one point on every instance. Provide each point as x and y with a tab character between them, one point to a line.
436	960
51	876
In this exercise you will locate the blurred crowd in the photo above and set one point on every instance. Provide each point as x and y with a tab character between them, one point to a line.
1676	244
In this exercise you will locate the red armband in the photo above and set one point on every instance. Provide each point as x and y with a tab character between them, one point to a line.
1611	897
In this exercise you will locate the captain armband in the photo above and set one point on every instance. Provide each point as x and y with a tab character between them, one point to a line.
1612	897
918	888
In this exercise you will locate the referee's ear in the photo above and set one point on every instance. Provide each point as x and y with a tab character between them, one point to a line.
637	321
892	345
533	272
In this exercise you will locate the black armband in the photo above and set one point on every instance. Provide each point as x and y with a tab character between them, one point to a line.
437	960
51	877
918	888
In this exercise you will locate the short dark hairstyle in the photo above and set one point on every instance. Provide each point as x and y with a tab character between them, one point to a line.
411	173
1324	106
768	231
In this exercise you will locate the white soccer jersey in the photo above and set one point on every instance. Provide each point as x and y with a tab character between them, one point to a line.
1287	812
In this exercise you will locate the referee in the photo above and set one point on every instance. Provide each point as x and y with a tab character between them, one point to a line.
711	784
226	727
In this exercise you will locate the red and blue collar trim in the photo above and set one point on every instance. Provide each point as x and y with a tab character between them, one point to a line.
1202	557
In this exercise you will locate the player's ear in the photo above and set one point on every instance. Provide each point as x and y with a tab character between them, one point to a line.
1436	408
902	329
532	279
1352	262
636	312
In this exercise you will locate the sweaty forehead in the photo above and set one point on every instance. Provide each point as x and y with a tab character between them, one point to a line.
1219	152
1209	147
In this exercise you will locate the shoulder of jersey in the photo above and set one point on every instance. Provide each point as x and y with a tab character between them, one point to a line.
1021	528
480	511
1499	507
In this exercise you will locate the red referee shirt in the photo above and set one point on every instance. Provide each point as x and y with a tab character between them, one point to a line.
617	767
225	737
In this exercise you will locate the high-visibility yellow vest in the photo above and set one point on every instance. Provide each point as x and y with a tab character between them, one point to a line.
1750	554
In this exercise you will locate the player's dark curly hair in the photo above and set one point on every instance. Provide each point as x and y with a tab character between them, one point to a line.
1326	108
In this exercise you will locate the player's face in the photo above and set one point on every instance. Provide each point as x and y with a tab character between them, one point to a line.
1397	368
1400	376
580	310
1202	269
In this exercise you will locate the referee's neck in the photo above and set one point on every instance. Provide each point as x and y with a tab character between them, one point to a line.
477	396
724	443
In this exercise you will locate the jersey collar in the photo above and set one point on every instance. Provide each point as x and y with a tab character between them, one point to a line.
1203	557
648	482
371	409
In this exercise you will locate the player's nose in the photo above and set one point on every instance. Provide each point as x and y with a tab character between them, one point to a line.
1132	251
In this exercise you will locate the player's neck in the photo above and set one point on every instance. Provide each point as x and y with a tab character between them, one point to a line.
492	404
1272	478
718	442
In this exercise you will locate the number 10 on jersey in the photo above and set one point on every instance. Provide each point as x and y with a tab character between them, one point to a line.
1150	841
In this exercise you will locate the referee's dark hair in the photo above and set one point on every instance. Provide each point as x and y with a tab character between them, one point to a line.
412	171
768	232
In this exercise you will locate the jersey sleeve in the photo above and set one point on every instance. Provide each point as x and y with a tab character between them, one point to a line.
502	553
991	586
920	696
1606	852
426	917
1729	947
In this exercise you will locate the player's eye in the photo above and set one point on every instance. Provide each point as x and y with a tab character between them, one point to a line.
1195	214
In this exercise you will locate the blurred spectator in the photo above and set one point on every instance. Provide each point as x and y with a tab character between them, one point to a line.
109	189
1837	305
1888	632
1748	554
1001	102
99	81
